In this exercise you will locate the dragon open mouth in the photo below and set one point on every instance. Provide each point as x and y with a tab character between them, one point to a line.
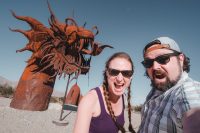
84	47
85	66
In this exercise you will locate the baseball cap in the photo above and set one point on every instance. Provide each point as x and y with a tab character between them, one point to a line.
161	43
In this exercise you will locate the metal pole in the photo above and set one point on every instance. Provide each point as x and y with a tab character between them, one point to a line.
64	97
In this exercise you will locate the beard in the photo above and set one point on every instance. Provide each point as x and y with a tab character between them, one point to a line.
165	85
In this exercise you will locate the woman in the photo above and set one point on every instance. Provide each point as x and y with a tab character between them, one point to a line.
102	109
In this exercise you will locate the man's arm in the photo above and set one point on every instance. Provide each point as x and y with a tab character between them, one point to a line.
191	121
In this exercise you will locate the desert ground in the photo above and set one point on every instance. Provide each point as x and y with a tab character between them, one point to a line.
21	121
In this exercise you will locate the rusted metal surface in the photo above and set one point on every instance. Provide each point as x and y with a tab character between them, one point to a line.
56	51
74	96
33	91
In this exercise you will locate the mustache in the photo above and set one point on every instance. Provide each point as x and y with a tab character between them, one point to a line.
158	72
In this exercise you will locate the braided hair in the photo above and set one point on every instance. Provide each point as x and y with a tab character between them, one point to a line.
106	92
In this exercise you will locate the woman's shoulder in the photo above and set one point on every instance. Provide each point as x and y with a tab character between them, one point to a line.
90	98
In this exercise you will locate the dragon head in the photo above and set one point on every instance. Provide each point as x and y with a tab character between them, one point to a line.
64	47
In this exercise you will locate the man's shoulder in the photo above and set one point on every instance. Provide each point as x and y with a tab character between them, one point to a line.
191	85
191	92
197	84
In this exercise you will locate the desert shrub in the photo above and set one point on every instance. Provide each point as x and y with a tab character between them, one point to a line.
6	90
137	108
56	99
53	100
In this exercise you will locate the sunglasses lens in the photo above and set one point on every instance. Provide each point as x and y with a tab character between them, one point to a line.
127	73
163	59
148	63
113	72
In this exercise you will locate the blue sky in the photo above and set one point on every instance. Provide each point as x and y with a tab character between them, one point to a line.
127	25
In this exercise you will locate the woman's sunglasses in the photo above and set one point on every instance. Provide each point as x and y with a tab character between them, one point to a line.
115	72
162	59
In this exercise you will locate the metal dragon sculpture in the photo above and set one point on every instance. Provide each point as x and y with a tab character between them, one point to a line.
56	51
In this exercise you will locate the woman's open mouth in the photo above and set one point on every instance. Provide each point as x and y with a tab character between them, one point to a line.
119	87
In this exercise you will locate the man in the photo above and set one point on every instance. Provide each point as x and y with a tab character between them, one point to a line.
173	104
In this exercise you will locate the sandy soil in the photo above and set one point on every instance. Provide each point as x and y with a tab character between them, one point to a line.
21	121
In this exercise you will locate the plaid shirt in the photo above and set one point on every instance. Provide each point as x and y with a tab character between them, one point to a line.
163	111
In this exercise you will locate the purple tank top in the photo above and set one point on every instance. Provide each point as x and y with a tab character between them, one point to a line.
104	123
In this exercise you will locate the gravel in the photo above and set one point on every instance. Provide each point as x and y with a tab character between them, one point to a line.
22	121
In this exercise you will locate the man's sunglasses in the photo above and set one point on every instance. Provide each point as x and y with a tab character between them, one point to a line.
115	72
162	59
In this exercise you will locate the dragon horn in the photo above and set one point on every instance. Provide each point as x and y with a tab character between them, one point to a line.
31	21
98	49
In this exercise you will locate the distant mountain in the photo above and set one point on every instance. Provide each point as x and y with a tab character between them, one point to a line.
58	93
4	81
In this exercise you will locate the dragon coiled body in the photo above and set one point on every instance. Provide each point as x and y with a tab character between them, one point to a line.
59	50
